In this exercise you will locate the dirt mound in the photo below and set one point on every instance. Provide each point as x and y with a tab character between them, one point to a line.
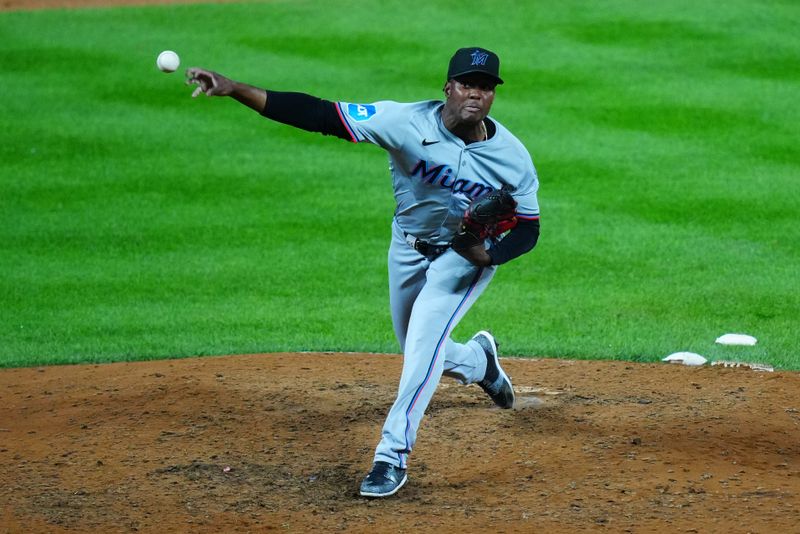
281	441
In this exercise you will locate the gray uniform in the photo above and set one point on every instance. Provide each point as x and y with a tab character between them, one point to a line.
435	176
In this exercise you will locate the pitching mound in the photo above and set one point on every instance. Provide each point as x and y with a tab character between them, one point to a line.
263	442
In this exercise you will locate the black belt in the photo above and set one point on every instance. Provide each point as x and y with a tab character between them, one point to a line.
428	250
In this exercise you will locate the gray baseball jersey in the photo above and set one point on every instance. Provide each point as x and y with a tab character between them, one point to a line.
435	174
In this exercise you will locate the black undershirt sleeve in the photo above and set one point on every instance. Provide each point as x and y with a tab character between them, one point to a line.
521	239
305	112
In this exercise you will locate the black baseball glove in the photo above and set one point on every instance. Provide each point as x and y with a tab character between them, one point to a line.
489	215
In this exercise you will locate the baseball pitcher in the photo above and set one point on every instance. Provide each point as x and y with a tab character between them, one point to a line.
466	194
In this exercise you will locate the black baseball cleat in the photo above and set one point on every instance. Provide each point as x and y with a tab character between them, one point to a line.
384	480
496	382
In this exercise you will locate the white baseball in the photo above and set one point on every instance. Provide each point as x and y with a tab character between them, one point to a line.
168	61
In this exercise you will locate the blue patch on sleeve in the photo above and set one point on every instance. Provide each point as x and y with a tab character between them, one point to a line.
361	112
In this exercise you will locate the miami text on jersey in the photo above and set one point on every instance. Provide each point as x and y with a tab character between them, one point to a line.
441	175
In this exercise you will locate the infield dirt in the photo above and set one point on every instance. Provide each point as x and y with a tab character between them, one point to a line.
49	4
280	442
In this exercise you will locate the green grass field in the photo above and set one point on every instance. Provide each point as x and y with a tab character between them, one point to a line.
137	223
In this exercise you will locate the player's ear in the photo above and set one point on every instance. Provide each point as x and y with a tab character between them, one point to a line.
446	88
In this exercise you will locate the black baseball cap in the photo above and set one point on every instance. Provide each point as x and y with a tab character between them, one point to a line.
474	60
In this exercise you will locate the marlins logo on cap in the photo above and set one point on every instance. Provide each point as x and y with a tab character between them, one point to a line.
479	57
474	60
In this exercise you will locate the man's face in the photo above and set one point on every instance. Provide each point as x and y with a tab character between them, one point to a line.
470	97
